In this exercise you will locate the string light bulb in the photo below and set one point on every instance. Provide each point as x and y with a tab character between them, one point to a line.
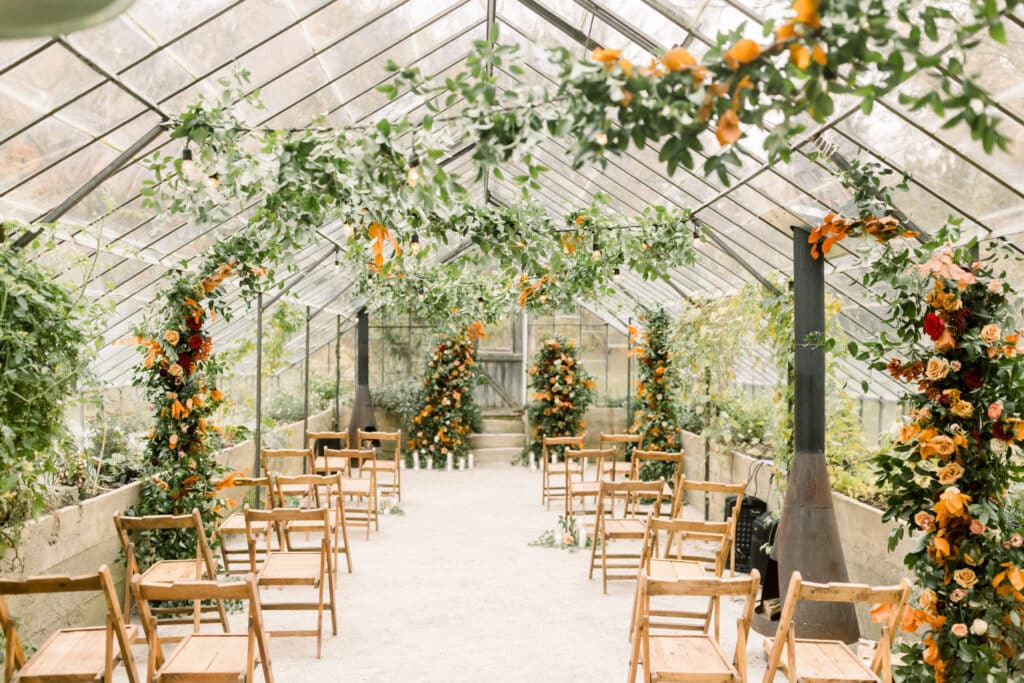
616	274
414	243
346	230
186	161
595	252
213	181
601	138
337	259
413	175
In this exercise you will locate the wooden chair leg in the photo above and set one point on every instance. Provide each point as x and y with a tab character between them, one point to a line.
320	609
791	655
604	565
108	655
593	552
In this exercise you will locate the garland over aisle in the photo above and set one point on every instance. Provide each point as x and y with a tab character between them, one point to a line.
442	425
656	418
562	392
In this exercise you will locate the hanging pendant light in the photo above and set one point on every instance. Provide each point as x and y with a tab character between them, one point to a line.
414	243
616	275
37	18
186	161
413	175
595	252
213	181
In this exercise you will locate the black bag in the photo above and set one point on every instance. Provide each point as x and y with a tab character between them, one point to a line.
750	510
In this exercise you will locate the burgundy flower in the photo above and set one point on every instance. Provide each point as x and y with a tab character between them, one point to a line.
999	432
195	341
934	326
944	401
185	361
193	324
974	379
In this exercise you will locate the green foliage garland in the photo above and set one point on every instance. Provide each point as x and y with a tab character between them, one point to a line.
44	355
656	418
562	392
443	423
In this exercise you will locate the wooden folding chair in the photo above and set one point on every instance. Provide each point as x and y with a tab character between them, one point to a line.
690	657
70	654
641	459
327	492
289	461
552	474
610	525
205	656
662	565
233	525
297	568
810	659
168	571
361	508
615	468
581	487
393	484
711	556
313	437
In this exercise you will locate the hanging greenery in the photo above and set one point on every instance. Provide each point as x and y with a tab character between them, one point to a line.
45	350
656	417
444	421
562	392
179	377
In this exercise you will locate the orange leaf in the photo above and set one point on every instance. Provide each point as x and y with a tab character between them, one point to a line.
605	54
882	613
728	130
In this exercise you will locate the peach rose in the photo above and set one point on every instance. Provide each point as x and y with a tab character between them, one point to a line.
1016	540
995	287
940	445
924	520
937	368
174	370
172	337
945	342
928	600
979	627
995	410
957	595
959	630
950	474
965	578
173	441
962	409
990	333
977	527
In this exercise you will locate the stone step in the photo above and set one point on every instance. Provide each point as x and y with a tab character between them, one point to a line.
497	440
503	424
492	457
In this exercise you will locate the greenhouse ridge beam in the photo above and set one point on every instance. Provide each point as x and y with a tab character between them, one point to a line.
90	185
138	97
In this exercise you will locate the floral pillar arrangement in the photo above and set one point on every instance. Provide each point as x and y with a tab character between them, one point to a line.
562	392
954	461
656	416
443	423
178	374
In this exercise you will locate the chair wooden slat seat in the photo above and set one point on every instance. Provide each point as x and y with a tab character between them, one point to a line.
330	464
625	528
690	658
207	658
285	568
233	525
71	654
169	571
818	661
327	492
673	570
615	524
578	486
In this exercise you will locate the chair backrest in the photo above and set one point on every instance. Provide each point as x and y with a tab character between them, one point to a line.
313	437
708	488
558	444
359	455
282	515
641	459
234	482
631	494
245	590
299	460
323	486
394	438
799	590
100	582
613	440
585	456
712	587
127	527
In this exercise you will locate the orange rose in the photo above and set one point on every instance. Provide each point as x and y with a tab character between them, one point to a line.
990	333
965	578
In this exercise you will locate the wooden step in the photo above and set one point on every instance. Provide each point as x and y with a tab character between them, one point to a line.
497	440
492	457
